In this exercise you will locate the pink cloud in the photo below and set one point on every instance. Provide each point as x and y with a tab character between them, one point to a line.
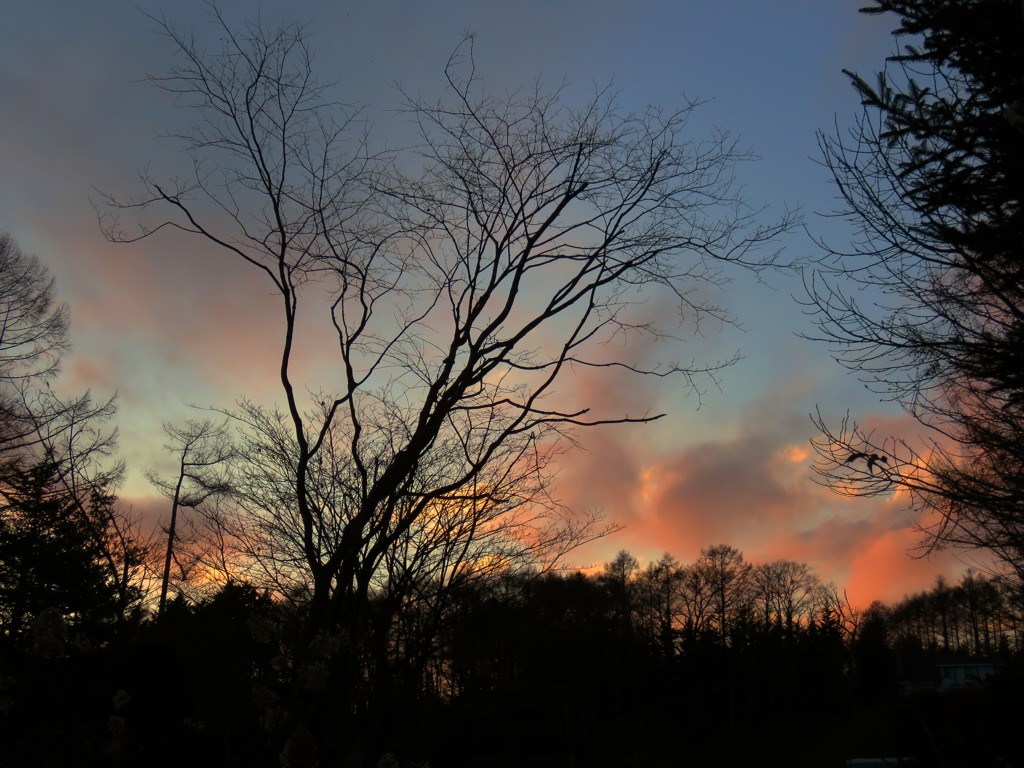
887	569
752	488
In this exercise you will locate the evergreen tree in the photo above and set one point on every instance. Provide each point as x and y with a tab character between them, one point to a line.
53	574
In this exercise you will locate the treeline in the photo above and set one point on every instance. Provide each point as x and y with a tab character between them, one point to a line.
719	597
719	659
979	617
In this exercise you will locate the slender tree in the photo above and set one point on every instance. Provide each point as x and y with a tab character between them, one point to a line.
204	450
657	598
727	578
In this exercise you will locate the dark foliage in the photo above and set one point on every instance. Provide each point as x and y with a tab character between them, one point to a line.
530	670
183	690
54	584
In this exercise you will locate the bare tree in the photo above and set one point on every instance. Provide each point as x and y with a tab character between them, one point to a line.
33	340
658	594
926	303
836	609
619	579
203	449
786	592
84	448
726	577
460	297
696	601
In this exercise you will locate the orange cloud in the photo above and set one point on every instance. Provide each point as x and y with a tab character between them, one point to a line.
751	488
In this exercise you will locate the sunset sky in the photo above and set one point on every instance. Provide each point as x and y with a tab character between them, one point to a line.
166	322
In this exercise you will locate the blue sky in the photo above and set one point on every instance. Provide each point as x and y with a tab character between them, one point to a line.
164	322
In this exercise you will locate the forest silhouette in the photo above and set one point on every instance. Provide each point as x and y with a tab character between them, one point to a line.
721	660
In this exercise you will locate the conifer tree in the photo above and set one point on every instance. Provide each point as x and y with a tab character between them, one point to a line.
52	559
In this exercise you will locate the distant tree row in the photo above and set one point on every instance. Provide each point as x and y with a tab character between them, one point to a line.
979	616
668	604
721	597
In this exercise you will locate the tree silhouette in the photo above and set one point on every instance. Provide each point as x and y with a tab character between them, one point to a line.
33	340
787	592
460	297
727	577
203	450
52	562
927	304
58	473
